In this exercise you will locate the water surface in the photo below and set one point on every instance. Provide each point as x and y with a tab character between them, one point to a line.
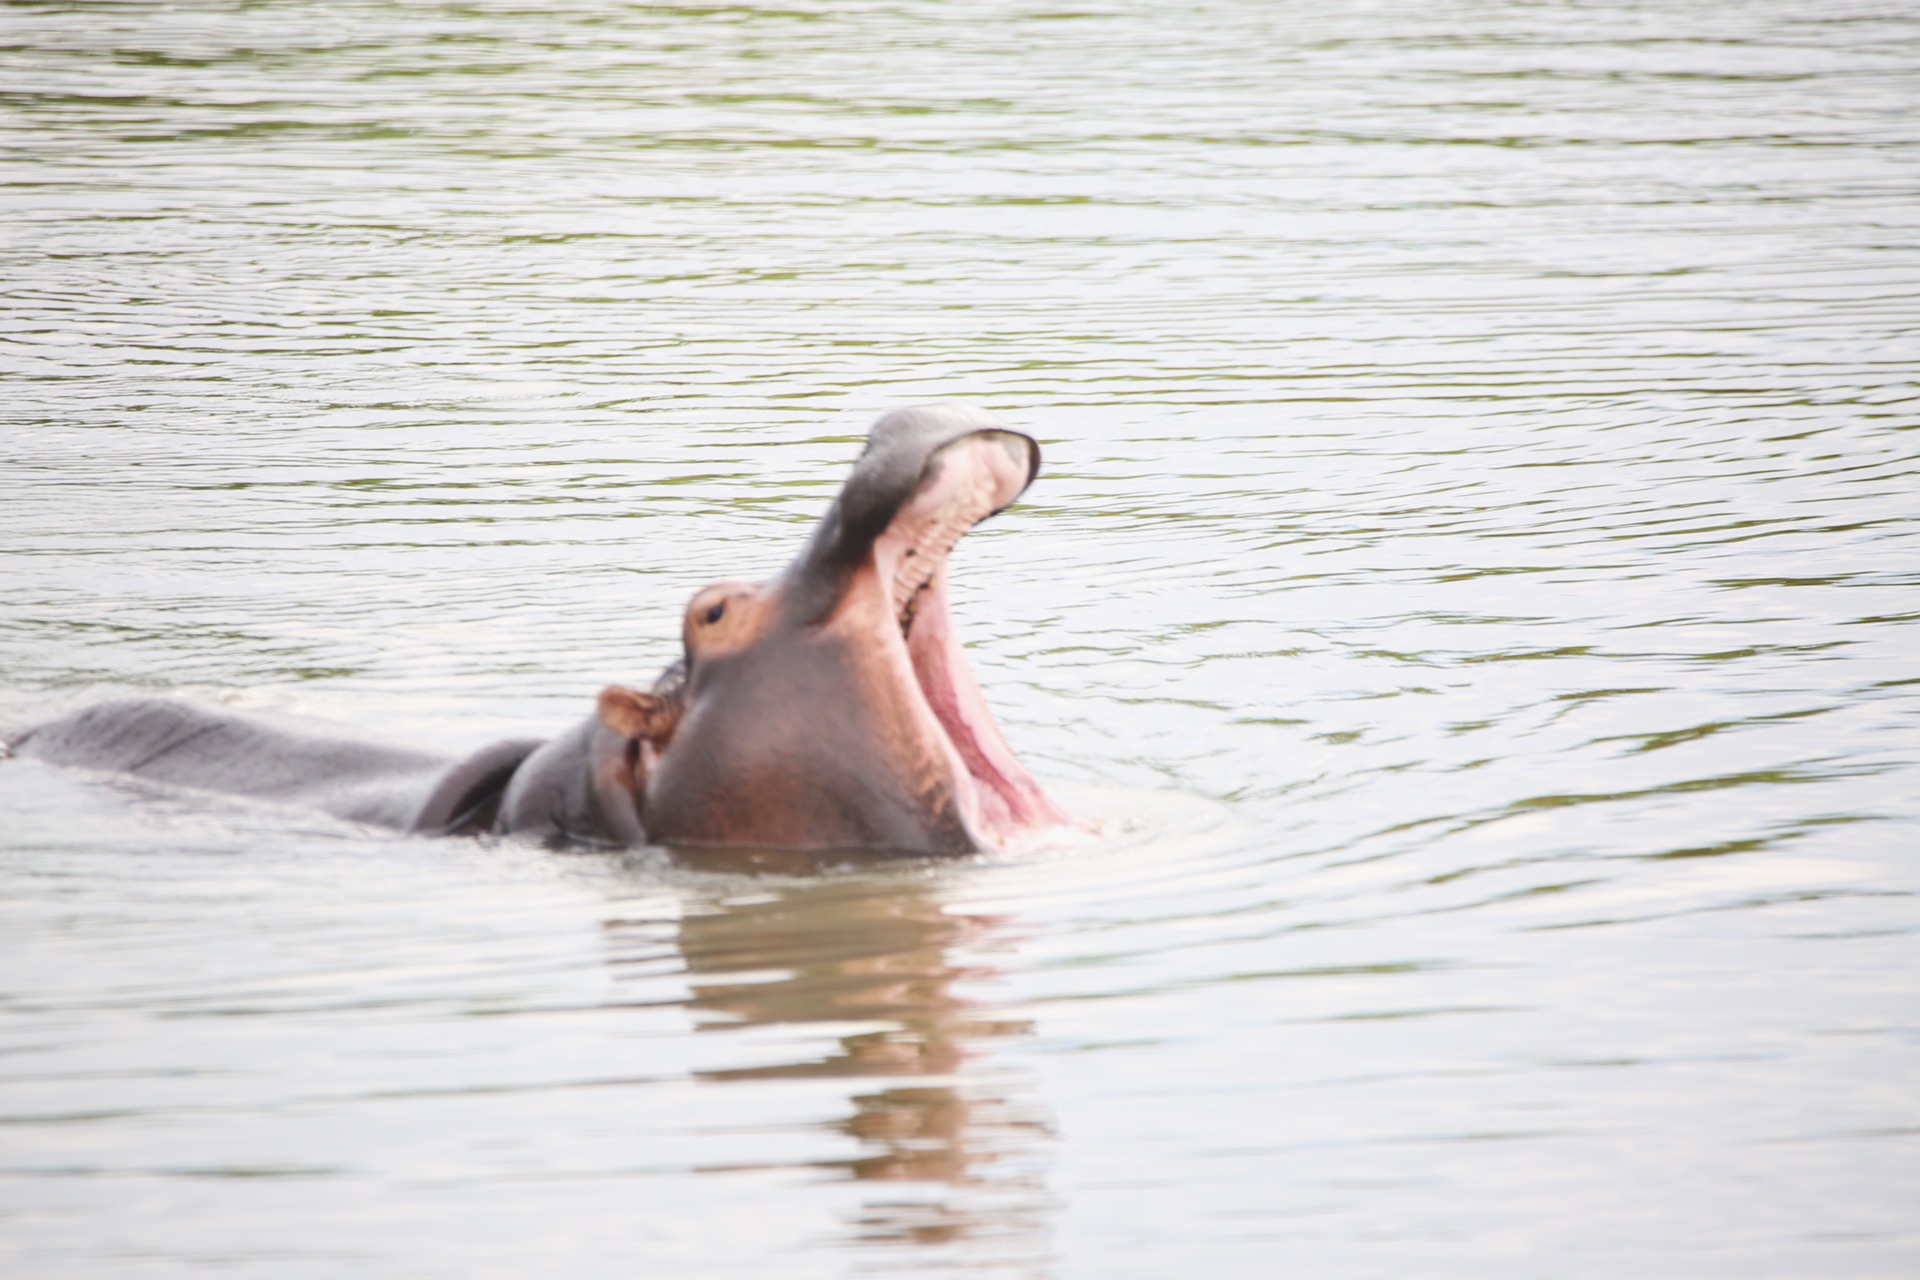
1471	590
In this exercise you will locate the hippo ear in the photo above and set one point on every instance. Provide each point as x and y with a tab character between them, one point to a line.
636	716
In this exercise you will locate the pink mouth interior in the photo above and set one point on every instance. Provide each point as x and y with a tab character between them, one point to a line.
966	482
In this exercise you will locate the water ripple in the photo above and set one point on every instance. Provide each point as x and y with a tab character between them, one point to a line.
1469	594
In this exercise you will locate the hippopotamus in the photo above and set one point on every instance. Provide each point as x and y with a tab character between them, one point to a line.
831	708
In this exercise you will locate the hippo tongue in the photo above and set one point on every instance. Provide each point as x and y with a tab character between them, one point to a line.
963	483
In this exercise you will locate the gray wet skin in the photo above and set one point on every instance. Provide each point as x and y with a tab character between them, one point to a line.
791	737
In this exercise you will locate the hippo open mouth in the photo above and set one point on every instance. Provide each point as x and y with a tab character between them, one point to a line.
834	707
964	483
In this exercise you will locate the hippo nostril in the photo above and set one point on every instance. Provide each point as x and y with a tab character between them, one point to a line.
714	614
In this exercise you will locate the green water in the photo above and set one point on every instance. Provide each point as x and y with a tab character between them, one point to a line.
1470	589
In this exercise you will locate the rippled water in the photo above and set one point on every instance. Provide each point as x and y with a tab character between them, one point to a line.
1472	586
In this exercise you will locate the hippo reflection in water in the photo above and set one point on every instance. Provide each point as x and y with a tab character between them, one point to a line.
831	708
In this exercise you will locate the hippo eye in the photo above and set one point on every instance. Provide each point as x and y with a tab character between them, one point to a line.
713	614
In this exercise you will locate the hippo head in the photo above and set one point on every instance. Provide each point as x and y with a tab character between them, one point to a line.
833	708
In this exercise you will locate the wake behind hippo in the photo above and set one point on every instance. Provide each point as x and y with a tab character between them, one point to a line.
831	708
